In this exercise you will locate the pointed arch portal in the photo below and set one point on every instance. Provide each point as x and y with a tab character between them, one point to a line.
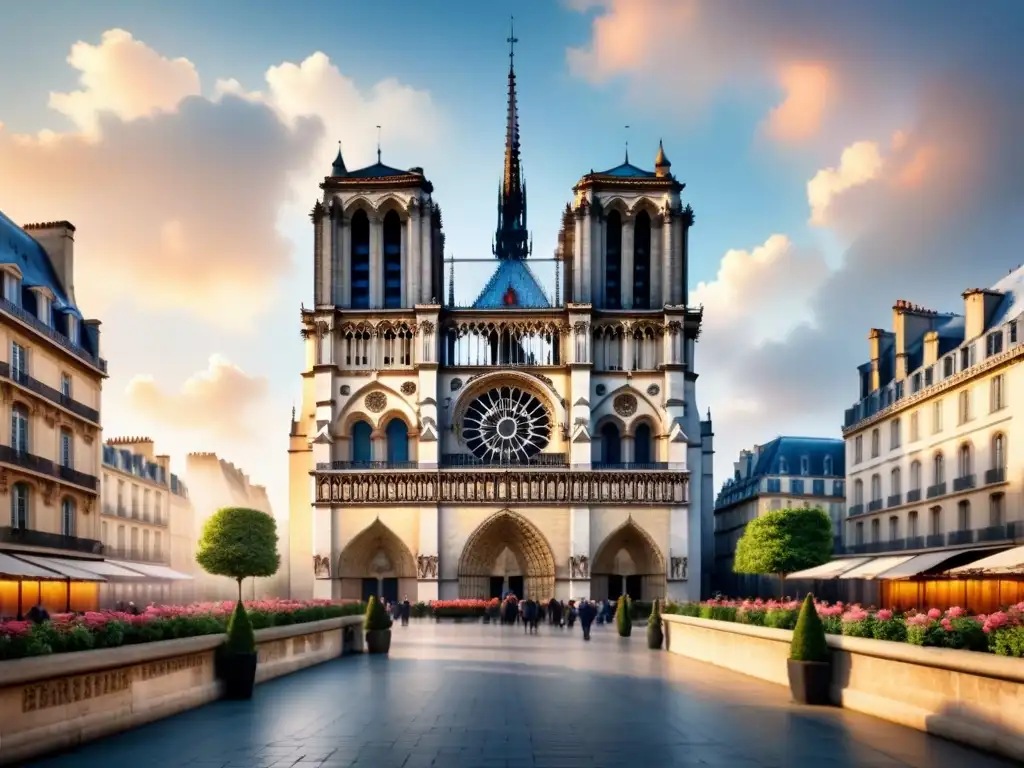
377	562
531	551
628	561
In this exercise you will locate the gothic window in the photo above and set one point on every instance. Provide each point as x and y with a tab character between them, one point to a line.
360	255
362	447
611	445
392	237
397	435
19	506
643	448
613	261
642	261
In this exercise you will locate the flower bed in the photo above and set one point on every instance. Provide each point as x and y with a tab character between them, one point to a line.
1001	633
461	609
68	632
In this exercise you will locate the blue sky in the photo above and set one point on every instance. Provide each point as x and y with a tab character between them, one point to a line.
905	117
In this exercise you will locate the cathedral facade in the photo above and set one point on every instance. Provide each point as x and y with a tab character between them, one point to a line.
544	442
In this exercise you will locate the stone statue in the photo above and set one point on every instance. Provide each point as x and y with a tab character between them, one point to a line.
579	567
427	566
678	565
321	567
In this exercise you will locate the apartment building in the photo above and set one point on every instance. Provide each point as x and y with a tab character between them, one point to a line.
51	378
784	473
933	461
138	530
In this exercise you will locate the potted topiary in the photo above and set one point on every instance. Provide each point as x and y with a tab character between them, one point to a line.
378	627
810	673
241	544
623	620
655	634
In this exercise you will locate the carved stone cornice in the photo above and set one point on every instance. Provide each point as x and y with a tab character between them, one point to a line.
522	486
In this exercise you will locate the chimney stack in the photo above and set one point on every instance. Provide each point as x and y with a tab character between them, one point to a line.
979	305
909	323
58	240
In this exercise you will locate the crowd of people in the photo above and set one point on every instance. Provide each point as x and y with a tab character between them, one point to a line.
530	613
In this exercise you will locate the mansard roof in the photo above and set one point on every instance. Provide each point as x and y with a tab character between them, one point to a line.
18	247
512	286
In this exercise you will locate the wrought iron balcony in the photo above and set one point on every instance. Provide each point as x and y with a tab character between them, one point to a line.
994	533
856	509
939	489
31	538
894	500
915	542
964	483
956	538
46	467
51	394
874	505
137	555
935	540
914	495
993	476
59	338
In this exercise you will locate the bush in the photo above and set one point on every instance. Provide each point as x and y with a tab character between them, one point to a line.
623	621
893	630
654	619
241	638
809	636
377	618
781	618
1008	642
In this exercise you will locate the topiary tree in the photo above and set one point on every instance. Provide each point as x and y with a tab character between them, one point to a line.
809	642
623	621
654	620
376	616
241	638
783	541
239	543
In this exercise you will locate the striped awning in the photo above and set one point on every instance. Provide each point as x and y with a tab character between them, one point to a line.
830	570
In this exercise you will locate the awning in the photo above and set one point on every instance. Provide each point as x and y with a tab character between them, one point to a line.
69	569
872	568
1010	561
13	568
152	571
829	570
921	563
97	568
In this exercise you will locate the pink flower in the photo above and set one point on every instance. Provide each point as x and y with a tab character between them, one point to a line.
947	625
934	613
884	614
956	612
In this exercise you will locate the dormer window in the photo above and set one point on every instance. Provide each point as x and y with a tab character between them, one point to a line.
43	304
73	329
805	465
965	358
827	466
948	365
12	287
783	466
994	343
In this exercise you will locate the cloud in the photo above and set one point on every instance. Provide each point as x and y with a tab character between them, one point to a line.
220	401
808	88
860	163
176	197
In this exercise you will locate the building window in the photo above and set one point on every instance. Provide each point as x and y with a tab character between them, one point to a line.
392	246
936	522
642	261
397	437
964	406
158	511
876	441
858	492
146	514
938	469
894	482
876	531
965	359
805	465
643	444
796	487
995	509
963	515
65	385
995	393
947	366
1013	332
359	232
964	460
937	417
783	465
157	546
998	451
914	427
894	528
67	517
19	361
876	488
993	343
67	445
858	449
915	475
827	466
915	382
19	428
859	533
912	524
613	260
776	504
19	506
362	442
894	434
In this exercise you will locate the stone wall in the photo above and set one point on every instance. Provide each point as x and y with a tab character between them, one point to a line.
974	698
51	703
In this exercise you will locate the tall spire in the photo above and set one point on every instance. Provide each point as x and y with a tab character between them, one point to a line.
511	237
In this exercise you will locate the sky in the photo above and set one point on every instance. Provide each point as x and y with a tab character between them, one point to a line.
838	157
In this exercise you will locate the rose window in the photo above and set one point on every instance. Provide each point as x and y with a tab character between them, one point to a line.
507	425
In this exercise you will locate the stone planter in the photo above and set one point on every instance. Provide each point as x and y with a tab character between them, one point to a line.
809	681
237	671
378	640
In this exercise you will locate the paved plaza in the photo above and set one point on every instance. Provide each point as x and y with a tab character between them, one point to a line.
465	695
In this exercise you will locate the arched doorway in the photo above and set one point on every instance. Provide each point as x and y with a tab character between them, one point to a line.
628	562
507	551
377	562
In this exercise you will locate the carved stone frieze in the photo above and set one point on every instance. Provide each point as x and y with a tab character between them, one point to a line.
426	566
427	327
321	567
678	567
579	567
485	486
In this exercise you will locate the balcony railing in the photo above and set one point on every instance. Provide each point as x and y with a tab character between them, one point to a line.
993	476
894	500
467	460
939	489
113	511
31	538
935	540
137	555
874	505
51	394
996	533
46	467
964	483
627	465
856	509
915	542
955	538
357	465
76	349
914	495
